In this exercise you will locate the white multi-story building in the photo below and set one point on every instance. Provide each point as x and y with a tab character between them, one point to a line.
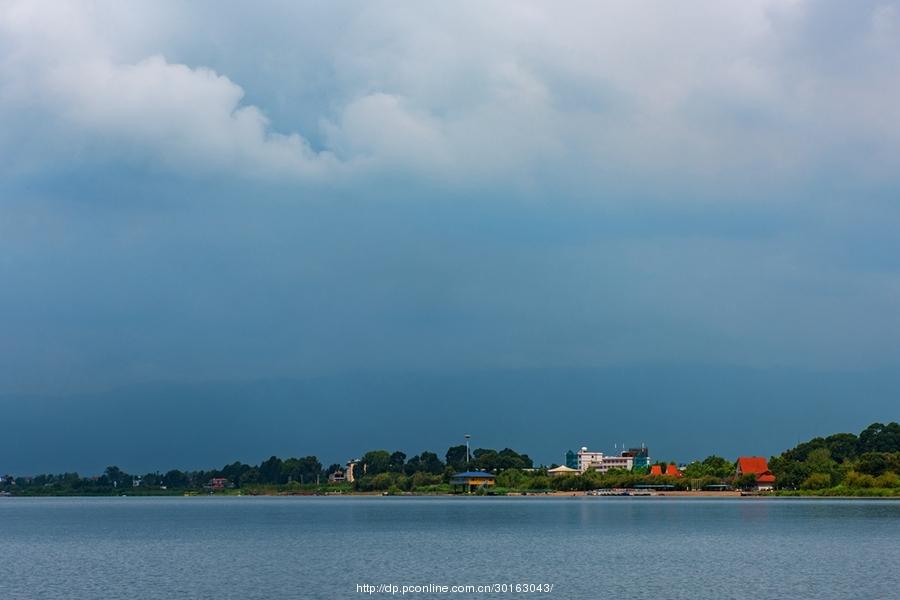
616	462
599	462
588	460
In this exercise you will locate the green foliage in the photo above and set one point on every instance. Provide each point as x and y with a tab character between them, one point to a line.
456	457
397	461
880	438
491	460
270	471
873	463
857	480
427	462
843	463
888	480
746	482
842	446
512	478
711	466
817	481
375	462
423	479
844	459
305	470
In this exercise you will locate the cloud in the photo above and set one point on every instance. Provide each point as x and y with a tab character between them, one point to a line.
553	184
182	115
642	95
381	128
152	110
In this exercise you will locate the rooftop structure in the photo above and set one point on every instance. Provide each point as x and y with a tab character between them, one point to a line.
641	456
561	471
670	471
597	461
758	466
472	480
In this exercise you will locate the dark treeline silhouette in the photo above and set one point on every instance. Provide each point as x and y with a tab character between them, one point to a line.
377	469
840	464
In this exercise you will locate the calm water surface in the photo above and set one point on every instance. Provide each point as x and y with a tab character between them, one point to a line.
79	548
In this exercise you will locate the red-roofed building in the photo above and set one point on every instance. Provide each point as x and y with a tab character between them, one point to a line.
671	471
758	466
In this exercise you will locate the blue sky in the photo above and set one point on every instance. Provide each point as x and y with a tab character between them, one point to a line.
198	194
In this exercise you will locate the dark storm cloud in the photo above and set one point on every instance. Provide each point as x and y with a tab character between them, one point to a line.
202	193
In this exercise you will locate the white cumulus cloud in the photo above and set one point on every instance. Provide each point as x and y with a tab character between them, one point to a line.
710	93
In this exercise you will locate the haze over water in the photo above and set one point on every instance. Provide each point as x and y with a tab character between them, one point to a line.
162	548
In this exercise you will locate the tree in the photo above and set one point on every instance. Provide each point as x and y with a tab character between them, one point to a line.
717	466
397	461
843	446
456	457
486	459
746	481
375	462
427	462
250	476
176	479
234	471
115	476
873	463
303	470
271	471
820	461
880	438
510	459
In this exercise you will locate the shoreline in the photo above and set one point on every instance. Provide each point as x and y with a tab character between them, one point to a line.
576	494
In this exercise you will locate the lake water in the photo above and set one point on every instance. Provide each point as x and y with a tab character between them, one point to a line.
304	547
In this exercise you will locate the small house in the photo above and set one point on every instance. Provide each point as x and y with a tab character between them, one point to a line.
758	466
471	481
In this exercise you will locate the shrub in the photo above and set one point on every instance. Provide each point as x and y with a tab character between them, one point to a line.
859	480
817	481
888	480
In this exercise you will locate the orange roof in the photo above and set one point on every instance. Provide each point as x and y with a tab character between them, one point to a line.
752	464
672	471
656	470
756	465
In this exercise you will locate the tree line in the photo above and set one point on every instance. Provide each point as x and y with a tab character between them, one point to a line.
843	463
375	470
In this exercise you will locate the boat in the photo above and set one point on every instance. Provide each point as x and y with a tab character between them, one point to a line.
608	492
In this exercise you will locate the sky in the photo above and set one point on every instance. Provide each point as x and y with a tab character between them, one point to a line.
544	225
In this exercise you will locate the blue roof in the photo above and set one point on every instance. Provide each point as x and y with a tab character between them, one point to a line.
473	474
